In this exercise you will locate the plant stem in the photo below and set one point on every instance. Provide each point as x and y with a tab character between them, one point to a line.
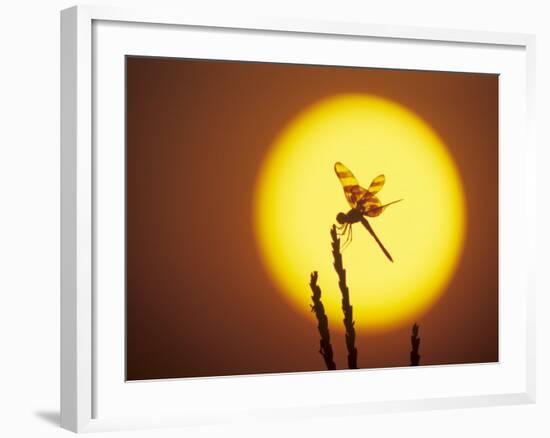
347	308
322	320
415	342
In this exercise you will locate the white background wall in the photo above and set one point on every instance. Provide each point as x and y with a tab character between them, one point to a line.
29	219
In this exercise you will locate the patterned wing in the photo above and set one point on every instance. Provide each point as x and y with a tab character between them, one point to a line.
376	185
370	205
375	208
353	191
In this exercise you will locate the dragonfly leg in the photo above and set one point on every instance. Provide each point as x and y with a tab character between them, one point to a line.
341	229
349	238
345	232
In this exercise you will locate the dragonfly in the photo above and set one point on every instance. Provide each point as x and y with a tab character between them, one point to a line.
363	202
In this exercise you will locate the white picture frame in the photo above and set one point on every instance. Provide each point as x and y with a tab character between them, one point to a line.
92	391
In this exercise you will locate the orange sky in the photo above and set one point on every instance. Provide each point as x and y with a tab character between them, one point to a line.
197	132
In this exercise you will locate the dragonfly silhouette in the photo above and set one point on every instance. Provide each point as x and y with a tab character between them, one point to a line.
363	202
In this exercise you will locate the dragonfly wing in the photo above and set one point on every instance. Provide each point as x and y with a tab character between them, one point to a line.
376	185
370	204
353	191
377	208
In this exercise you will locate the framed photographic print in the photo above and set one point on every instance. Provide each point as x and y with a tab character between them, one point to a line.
286	219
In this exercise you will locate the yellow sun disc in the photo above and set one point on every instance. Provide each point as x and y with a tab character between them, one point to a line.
298	197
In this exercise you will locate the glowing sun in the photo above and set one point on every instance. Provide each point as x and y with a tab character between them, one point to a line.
298	197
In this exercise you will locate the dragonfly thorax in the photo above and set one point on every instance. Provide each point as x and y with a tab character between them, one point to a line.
351	217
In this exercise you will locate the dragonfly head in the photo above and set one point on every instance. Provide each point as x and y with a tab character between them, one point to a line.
341	218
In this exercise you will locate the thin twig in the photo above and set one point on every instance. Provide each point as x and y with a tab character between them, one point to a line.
347	308
322	320
415	342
